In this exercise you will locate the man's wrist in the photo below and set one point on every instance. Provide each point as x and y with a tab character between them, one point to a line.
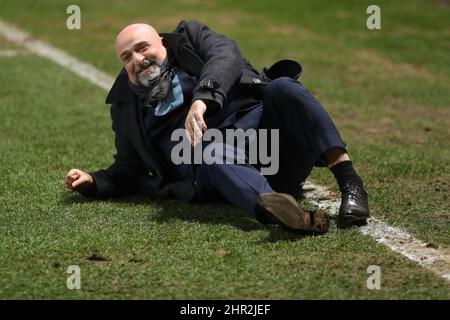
200	105
91	189
212	107
213	98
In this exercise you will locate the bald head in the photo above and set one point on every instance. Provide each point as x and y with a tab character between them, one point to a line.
134	30
136	43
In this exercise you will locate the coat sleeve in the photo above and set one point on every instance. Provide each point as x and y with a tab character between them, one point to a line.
222	63
121	177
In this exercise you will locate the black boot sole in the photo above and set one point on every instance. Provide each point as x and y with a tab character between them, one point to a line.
348	221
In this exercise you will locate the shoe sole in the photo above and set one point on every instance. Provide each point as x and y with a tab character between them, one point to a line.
349	221
287	212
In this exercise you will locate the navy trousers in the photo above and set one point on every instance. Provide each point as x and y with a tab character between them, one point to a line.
306	132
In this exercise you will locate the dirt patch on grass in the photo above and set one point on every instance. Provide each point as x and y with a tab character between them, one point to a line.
395	120
191	2
437	190
287	30
445	3
225	19
220	20
405	30
407	110
97	257
387	68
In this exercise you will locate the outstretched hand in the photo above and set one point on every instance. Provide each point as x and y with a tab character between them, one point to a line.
195	124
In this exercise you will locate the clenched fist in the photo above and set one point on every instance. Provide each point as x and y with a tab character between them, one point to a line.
80	181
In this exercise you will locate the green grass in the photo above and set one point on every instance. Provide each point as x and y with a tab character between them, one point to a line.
386	90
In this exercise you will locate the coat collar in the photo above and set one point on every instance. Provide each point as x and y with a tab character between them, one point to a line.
120	89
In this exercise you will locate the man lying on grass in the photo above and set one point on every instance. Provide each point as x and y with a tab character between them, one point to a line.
196	82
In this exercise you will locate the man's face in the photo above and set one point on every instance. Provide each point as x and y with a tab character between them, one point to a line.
142	52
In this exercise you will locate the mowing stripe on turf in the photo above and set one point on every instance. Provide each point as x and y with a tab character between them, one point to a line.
436	260
84	70
12	53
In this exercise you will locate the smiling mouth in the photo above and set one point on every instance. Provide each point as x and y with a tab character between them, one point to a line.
146	67
144	70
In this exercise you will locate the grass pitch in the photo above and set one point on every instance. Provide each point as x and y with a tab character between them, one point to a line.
386	90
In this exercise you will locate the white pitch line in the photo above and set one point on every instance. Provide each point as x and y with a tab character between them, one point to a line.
62	58
396	239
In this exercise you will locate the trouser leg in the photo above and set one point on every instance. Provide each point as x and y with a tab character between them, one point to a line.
238	184
306	132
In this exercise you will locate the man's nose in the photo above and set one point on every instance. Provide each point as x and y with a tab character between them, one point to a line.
137	58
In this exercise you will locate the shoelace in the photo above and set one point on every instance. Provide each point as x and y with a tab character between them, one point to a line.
353	191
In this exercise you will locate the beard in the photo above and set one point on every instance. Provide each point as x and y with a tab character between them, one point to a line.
154	79
147	72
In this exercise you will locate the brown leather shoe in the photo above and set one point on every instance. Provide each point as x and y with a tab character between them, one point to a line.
288	213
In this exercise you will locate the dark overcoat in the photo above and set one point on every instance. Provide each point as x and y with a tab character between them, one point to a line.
217	63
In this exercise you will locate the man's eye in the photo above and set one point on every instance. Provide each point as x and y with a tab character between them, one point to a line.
143	48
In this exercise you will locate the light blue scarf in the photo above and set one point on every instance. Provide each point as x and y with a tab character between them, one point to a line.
174	99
